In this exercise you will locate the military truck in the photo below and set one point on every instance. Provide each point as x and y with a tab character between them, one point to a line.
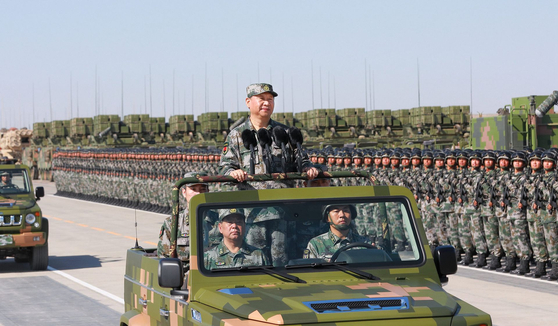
277	278
23	229
529	121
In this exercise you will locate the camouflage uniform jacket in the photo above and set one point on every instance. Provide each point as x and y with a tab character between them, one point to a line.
325	245
222	257
235	156
182	241
211	235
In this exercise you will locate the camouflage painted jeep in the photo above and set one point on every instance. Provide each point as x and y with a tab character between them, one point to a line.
274	279
23	229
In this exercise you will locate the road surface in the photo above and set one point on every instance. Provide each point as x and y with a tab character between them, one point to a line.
84	283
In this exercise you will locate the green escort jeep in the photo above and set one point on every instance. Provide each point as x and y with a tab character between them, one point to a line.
23	229
297	256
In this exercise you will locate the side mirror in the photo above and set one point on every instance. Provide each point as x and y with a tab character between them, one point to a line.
39	192
171	275
446	263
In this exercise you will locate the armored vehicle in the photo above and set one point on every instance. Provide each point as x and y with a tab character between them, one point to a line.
286	271
23	229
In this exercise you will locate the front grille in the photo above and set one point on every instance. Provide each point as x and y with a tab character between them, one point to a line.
10	220
360	305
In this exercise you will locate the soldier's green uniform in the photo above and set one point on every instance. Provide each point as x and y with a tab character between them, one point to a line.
222	257
535	217
247	255
235	156
518	218
183	239
325	245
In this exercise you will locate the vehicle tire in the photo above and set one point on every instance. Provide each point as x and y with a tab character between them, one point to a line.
39	258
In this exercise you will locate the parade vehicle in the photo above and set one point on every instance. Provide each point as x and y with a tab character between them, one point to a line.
274	279
23	229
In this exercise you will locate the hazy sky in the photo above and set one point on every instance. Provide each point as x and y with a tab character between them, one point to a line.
511	44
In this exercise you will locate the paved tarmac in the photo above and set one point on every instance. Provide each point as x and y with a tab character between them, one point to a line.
87	247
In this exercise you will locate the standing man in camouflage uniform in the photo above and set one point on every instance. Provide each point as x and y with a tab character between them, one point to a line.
235	159
474	209
183	239
517	215
488	206
500	211
536	214
550	224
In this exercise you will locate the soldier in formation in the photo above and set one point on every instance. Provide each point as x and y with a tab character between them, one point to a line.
133	177
499	206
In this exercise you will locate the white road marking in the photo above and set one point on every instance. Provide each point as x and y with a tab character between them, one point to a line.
87	285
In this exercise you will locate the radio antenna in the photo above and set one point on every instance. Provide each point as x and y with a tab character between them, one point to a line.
136	226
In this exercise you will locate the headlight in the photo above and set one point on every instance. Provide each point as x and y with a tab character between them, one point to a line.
30	218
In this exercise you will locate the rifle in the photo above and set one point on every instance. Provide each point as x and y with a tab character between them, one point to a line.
552	197
523	197
439	193
478	194
537	199
491	197
462	194
552	201
428	190
506	199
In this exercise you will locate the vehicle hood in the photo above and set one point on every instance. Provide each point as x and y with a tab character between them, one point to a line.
293	303
15	203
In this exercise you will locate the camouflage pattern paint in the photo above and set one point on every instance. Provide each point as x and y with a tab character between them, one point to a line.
272	301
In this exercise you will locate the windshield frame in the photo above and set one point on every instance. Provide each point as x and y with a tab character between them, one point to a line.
402	199
27	187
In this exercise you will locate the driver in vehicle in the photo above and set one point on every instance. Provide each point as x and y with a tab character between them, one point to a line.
6	180
233	251
339	235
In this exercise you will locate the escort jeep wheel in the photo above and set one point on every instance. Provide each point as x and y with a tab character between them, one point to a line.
39	258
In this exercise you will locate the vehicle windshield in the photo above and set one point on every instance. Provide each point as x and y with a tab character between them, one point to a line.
286	234
14	182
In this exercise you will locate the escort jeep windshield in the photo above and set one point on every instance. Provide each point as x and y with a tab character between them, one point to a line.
14	182
305	234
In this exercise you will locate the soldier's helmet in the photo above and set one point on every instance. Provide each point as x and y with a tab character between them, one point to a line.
451	154
504	155
367	154
534	156
549	156
427	155
475	155
357	154
440	156
518	156
328	208
396	155
406	154
463	154
489	155
416	154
